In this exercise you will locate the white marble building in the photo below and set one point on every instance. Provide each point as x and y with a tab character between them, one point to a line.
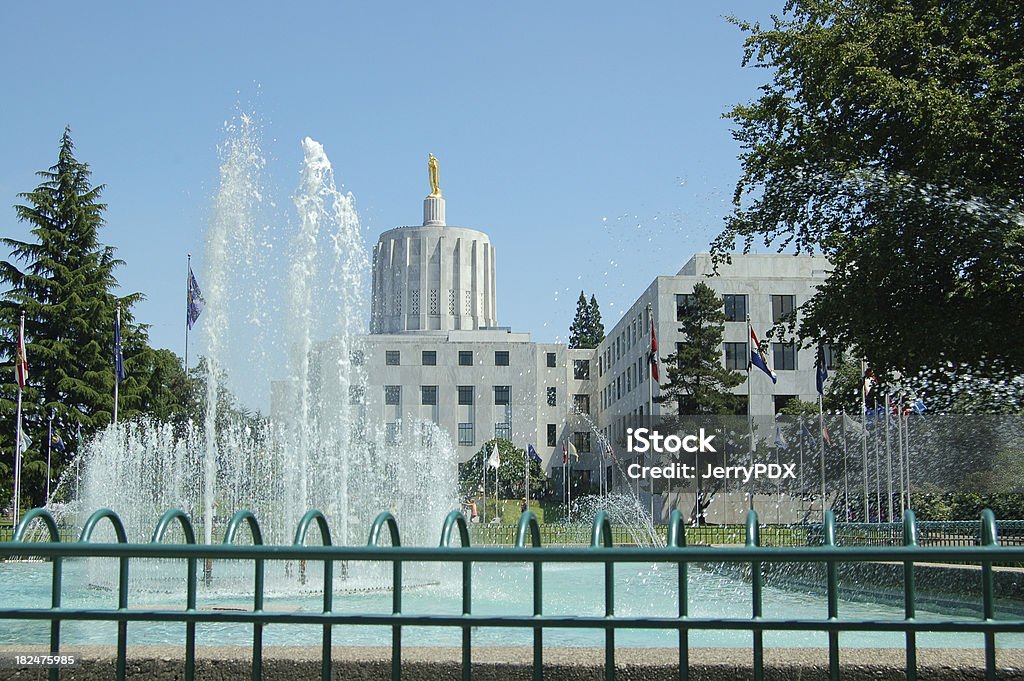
436	353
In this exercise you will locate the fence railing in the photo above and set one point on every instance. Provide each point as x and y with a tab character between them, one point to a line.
527	550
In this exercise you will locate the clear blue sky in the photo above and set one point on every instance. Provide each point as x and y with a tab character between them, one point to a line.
585	137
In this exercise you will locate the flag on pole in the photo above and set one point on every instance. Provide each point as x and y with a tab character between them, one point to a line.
532	453
494	461
824	432
652	356
780	441
56	442
573	453
565	454
919	407
820	371
869	382
195	301
118	358
805	431
25	443
759	356
21	359
854	426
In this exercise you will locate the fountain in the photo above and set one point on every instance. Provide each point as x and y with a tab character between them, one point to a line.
318	449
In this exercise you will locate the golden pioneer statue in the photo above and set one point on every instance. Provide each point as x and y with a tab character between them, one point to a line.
435	182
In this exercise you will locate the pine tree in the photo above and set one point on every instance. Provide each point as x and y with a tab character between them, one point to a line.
697	381
580	327
64	286
596	326
586	330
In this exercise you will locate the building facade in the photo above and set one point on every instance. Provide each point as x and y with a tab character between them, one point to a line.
435	352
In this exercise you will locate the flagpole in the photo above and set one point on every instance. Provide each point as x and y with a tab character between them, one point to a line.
650	396
878	466
888	452
899	454
864	437
17	429
49	451
909	506
483	518
188	283
750	419
117	378
846	472
821	437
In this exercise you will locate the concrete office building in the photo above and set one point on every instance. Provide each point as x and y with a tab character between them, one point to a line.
436	352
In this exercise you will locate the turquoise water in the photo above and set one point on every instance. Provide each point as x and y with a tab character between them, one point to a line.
640	590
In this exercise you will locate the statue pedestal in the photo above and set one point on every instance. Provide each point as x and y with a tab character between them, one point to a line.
433	211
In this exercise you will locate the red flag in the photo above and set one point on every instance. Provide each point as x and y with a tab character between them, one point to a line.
21	360
565	454
652	356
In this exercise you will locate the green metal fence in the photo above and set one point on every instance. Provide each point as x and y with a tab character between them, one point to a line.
527	550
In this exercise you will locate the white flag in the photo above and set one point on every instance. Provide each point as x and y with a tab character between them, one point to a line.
853	426
26	441
494	461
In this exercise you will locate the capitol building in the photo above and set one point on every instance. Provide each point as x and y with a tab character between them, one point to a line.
436	351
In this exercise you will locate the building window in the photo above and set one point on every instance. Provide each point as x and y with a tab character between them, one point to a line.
581	403
736	356
782	308
501	358
428	394
391	433
392	358
503	394
429	358
356	393
427	431
357	358
581	441
782	400
832	356
552	435
465	394
581	369
551	360
735	307
503	431
392	394
465	433
465	358
784	356
552	396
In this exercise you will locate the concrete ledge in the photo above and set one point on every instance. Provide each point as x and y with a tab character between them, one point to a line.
513	664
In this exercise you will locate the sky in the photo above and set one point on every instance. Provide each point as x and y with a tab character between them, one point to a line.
586	138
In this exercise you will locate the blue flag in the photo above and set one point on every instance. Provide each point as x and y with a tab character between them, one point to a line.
820	373
532	453
194	304
758	356
56	442
118	358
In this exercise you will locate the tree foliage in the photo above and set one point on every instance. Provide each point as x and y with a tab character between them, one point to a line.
511	474
63	281
587	330
889	138
697	381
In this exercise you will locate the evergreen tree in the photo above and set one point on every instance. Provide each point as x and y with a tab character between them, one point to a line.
697	381
580	327
586	330
596	326
63	281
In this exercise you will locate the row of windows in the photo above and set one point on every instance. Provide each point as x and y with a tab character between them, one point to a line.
429	358
503	430
736	308
632	377
633	332
429	394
